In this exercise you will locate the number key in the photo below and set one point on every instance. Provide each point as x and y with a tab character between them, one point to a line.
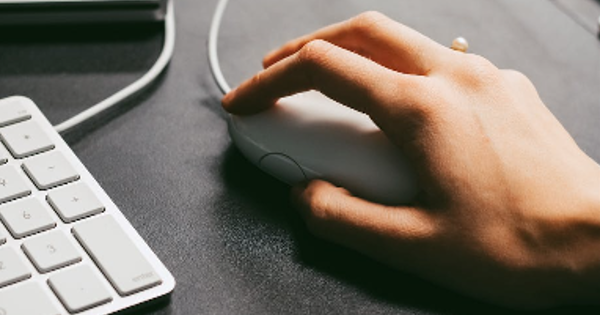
28	298
51	251
26	217
12	184
12	267
3	155
3	235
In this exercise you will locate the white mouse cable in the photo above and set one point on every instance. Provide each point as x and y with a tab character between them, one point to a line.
213	56
160	64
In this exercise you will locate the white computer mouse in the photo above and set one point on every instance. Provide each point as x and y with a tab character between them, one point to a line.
309	136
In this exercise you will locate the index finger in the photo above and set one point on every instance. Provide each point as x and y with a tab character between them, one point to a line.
377	37
340	74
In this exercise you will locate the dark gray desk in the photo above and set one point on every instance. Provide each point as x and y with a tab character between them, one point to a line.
223	228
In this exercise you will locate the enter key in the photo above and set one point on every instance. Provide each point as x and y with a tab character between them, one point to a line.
117	256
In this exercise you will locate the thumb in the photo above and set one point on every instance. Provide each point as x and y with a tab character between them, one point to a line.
393	235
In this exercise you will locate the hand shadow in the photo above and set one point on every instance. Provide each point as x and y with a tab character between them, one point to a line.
267	201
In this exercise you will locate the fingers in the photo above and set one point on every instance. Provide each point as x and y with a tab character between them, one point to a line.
338	73
384	233
377	37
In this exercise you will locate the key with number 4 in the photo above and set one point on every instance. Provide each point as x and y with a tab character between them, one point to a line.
13	185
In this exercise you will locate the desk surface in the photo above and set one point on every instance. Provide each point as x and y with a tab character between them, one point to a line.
225	229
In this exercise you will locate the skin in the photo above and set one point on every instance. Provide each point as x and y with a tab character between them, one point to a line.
509	210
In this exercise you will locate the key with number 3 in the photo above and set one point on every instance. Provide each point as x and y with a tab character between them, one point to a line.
51	250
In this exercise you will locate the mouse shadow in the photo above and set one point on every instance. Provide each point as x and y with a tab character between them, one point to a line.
263	194
269	202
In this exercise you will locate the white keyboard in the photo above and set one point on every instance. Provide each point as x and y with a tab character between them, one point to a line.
65	248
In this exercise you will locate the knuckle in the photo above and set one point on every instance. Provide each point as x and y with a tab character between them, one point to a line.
257	79
416	109
516	77
481	66
371	16
312	58
477	72
424	114
314	52
478	61
425	229
519	81
318	204
366	22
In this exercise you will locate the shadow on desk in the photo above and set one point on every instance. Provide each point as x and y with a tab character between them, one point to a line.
381	283
161	304
106	48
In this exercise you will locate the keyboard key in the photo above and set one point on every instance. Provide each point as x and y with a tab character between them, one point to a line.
64	247
28	298
117	256
49	170
25	139
3	235
13	185
12	267
26	217
51	251
79	289
74	202
4	155
12	110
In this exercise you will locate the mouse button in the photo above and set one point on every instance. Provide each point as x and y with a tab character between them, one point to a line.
283	168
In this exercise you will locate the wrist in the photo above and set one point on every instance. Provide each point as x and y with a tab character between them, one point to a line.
591	192
583	240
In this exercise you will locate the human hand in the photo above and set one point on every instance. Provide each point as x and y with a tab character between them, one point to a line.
509	210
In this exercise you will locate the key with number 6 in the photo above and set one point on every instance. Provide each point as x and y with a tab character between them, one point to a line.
26	217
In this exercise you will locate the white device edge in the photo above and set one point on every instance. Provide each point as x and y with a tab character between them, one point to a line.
119	303
135	87
213	56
